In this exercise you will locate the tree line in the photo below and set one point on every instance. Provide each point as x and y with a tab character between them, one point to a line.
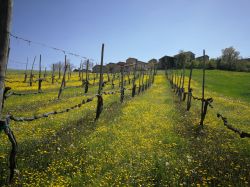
230	60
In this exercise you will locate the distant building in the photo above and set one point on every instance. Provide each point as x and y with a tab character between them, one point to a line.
113	68
166	61
200	58
82	70
97	68
153	62
130	64
189	56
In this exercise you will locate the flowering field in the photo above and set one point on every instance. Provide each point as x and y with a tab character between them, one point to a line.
149	140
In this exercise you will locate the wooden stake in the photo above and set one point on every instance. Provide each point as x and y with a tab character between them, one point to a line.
53	74
134	79
87	81
189	99
63	80
40	66
5	22
122	84
101	73
25	74
99	96
59	68
203	90
31	72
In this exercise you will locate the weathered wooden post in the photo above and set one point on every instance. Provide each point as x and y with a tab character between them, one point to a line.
68	71
25	74
154	73
128	75
172	77
99	95
79	71
40	74
40	66
59	69
179	87
189	98
63	79
53	73
112	81
140	75
203	91
177	82
31	72
5	22
134	80
122	84
182	90
65	69
143	73
148	77
87	81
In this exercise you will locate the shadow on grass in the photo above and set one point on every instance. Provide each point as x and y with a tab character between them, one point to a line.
216	156
37	155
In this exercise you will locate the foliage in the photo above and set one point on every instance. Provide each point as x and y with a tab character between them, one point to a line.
229	58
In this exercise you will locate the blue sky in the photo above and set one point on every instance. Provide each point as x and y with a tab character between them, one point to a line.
144	29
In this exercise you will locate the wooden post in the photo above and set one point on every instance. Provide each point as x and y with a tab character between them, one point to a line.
68	71
101	73
40	66
177	81
99	96
65	69
203	89
183	77
179	87
53	73
189	99
6	7
79	71
59	70
25	74
87	81
63	80
113	78
40	74
122	84
154	73
134	79
5	22
143	72
139	90
31	72
40	85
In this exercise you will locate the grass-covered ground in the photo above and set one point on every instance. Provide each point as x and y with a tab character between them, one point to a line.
149	140
226	83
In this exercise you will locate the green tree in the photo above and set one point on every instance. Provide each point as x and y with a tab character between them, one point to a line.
229	58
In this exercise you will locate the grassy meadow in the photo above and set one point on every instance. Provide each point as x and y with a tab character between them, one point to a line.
149	140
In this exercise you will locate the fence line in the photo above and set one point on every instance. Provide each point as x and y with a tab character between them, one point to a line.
173	80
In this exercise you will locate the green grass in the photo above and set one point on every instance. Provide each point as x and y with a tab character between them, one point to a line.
149	140
226	83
